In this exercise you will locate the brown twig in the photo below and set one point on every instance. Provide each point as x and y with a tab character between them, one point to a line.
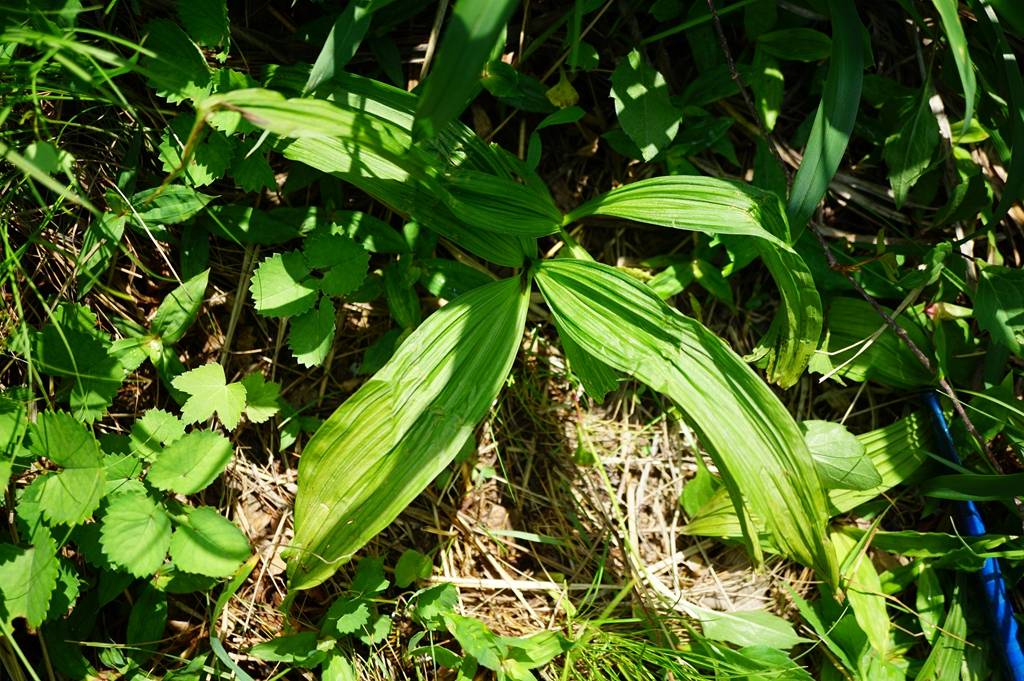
901	333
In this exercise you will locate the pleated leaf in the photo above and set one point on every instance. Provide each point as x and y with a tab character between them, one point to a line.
954	30
833	122
713	206
385	444
470	37
751	436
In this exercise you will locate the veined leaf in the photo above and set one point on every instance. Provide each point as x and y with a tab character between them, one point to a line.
864	591
948	12
343	40
714	206
798	44
72	494
908	152
896	452
747	431
642	105
468	41
839	456
999	305
179	309
27	578
385	444
833	123
947	655
208	544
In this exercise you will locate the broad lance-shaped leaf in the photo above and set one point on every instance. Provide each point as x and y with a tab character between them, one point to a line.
469	39
833	123
385	444
754	441
895	451
363	136
713	206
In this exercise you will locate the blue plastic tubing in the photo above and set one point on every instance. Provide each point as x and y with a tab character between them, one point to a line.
999	606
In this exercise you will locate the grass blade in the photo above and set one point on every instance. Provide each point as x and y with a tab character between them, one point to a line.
385	444
754	441
468	41
837	112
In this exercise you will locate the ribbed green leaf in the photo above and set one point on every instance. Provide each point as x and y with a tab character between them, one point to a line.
363	137
714	206
836	114
385	444
754	441
467	43
948	12
864	593
945	660
896	452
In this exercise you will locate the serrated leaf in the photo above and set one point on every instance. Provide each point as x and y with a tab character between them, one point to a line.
72	494
345	260
210	392
412	566
209	159
386	443
908	152
642	105
999	305
262	398
839	457
280	285
252	172
177	68
191	463
156	428
205	20
135	533
433	603
208	544
312	334
179	309
347	615
27	579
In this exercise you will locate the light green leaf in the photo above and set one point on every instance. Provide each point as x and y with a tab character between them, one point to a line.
27	579
135	533
468	41
949	13
864	592
298	650
908	152
156	427
535	650
262	398
312	334
281	286
642	105
477	640
168	205
947	655
210	156
929	601
974	486
896	451
716	206
179	309
412	566
385	444
210	392
797	44
749	628
751	436
191	463
767	86
833	122
72	494
208	544
839	456
999	305
347	615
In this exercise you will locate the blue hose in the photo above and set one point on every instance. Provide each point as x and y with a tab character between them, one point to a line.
999	606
